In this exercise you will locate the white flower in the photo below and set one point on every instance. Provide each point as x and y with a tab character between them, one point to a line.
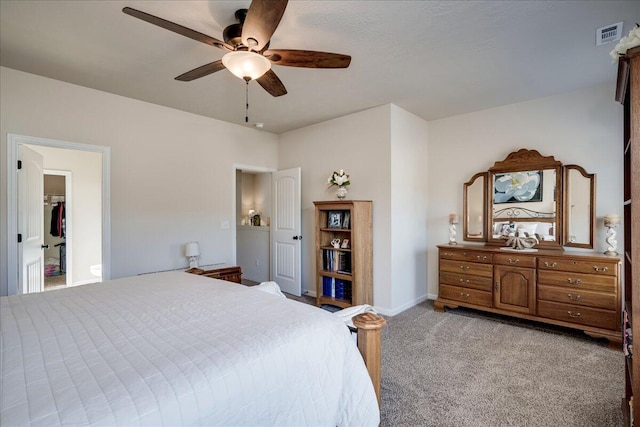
521	186
341	179
626	43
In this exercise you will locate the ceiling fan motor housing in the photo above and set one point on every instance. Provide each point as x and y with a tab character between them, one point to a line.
233	33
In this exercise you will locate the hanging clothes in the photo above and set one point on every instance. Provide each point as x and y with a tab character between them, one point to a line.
57	220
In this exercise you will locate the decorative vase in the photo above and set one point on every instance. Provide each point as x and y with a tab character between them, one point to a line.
341	192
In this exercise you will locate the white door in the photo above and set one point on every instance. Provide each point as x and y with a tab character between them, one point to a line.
30	221
286	231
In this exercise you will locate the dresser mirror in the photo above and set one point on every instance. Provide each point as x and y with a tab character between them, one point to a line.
579	209
525	193
474	225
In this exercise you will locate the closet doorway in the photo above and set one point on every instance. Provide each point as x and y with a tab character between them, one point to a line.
87	233
58	228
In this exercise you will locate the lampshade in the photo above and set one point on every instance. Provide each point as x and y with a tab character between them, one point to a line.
611	220
192	249
246	64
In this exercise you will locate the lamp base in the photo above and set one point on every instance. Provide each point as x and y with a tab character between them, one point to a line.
611	253
193	262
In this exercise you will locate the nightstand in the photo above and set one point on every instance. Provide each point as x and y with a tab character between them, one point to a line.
230	274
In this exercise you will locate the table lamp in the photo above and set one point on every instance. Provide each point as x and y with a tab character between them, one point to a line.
192	251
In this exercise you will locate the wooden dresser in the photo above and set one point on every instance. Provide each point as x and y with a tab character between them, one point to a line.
579	290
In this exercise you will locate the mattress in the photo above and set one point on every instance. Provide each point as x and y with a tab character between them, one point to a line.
177	349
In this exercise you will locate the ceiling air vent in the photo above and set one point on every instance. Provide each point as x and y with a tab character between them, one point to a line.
608	34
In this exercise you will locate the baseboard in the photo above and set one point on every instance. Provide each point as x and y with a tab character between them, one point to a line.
387	312
85	282
398	310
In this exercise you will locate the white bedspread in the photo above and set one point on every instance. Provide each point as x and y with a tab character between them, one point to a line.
177	349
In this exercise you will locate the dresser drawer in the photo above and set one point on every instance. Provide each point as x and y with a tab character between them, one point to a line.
466	255
466	280
471	268
596	266
594	282
576	314
577	297
526	261
471	296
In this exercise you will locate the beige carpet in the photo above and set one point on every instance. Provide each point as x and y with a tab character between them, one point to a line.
463	368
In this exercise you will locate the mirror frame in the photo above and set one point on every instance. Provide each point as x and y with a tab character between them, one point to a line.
465	206
592	214
527	160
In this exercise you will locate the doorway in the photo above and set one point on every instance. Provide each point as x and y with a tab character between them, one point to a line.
90	267
274	236
58	229
253	225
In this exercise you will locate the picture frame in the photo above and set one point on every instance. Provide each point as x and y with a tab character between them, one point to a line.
334	219
517	187
346	220
345	244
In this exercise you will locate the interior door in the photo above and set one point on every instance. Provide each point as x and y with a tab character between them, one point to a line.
286	259
30	221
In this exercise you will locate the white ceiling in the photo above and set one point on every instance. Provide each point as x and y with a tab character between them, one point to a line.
432	58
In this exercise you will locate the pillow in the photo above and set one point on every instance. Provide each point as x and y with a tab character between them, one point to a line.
503	228
529	227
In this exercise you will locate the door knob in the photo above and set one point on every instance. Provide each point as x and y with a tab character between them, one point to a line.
297	237
44	246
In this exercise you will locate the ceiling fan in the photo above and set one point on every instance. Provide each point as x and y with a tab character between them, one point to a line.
247	43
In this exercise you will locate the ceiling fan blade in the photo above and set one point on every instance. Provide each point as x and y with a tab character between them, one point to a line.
272	84
307	58
205	70
177	28
262	20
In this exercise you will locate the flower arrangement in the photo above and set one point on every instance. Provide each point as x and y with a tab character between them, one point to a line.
340	179
626	43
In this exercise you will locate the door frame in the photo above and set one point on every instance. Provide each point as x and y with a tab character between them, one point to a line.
234	224
68	203
13	140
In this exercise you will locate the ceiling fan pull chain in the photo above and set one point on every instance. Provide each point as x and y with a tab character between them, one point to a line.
246	111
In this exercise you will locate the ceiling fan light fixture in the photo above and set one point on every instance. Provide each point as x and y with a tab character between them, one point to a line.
246	64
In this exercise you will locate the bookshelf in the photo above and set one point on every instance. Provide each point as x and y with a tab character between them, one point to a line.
628	94
344	253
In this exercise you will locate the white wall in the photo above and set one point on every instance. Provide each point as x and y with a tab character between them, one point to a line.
384	150
253	252
86	206
583	127
172	176
360	144
409	209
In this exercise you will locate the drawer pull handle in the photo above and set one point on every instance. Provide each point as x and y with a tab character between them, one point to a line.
576	282
573	315
449	254
464	281
464	254
574	297
464	267
481	258
517	260
601	270
463	295
550	265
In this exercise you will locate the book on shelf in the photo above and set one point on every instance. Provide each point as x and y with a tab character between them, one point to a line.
344	263
336	288
335	260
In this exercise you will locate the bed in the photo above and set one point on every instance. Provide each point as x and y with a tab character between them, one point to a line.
178	349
